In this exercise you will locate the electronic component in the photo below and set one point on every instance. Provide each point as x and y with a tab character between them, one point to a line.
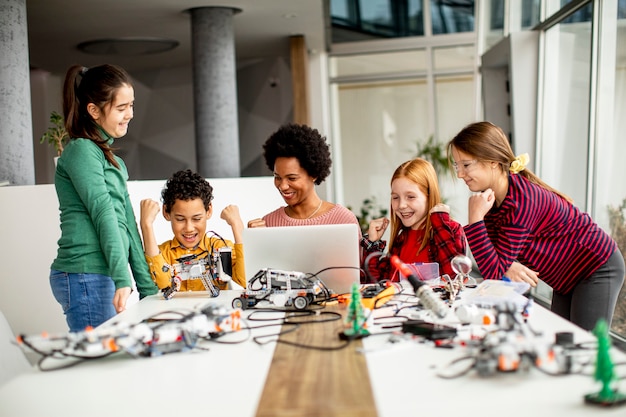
426	295
376	295
148	338
210	270
282	289
431	331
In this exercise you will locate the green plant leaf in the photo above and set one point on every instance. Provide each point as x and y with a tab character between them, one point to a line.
56	135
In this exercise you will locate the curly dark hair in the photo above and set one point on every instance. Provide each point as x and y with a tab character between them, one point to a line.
305	144
186	185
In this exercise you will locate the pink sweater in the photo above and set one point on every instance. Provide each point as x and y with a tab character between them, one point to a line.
336	215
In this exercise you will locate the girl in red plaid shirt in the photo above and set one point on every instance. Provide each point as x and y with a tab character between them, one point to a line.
421	227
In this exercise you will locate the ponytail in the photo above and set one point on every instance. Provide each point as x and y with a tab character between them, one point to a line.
97	85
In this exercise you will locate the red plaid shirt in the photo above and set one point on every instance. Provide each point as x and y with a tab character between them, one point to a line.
448	240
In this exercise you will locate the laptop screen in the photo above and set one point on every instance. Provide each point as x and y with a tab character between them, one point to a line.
330	251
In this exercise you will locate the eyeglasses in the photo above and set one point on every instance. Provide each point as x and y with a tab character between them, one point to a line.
464	166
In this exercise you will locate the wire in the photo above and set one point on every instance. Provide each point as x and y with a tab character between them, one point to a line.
366	266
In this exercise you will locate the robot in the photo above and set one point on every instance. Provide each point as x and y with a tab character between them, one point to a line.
145	339
210	270
282	289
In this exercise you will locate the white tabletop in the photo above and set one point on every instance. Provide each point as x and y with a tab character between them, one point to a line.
228	379
405	381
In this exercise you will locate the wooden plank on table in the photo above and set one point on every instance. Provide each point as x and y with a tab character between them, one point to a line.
314	382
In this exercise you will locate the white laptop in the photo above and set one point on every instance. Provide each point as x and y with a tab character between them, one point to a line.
308	249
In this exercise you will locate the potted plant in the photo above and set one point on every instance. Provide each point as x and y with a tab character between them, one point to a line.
435	153
370	209
56	134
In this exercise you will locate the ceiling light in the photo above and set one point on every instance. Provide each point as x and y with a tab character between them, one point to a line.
127	46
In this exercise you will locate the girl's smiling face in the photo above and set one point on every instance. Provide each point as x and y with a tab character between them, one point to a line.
408	203
114	118
478	175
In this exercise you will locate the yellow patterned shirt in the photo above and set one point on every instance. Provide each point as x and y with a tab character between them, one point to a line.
172	250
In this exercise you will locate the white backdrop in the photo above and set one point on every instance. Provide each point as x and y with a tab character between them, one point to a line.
29	227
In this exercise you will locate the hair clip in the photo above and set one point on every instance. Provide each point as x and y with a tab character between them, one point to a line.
519	163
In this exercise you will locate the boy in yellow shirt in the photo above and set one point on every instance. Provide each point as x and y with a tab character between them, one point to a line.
187	206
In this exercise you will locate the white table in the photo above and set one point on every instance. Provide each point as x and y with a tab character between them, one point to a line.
228	380
405	382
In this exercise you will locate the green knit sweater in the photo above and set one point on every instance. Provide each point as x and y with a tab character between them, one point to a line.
98	228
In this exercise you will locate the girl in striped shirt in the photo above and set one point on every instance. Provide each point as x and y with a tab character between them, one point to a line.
521	228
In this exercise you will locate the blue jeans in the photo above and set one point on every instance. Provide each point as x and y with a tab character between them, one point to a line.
86	299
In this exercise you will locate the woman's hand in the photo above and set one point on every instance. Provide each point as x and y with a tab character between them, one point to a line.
120	298
480	204
520	273
377	228
256	223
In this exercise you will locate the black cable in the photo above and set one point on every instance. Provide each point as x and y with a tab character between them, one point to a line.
366	266
463	372
257	339
334	317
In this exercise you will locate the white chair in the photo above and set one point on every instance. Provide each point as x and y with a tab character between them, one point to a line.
12	359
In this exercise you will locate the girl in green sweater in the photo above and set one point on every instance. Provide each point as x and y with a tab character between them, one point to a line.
90	276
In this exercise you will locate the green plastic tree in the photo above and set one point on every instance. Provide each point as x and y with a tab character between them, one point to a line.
605	372
356	316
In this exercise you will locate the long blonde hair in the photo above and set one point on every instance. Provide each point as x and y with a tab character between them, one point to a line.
487	142
420	172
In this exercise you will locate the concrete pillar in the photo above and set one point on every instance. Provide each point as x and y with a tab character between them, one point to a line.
215	91
16	130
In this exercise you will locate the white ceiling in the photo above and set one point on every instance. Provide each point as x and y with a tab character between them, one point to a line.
262	29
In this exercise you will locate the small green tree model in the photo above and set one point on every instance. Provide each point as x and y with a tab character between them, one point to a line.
356	316
605	372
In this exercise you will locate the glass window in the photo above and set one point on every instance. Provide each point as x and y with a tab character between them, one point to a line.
455	104
530	13
385	63
416	18
452	16
382	123
495	31
611	182
376	13
379	125
454	96
361	20
377	17
566	109
341	10
457	57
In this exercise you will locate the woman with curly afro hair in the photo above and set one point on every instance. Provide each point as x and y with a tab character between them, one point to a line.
300	159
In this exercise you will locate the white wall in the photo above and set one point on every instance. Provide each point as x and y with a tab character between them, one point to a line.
29	226
161	138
